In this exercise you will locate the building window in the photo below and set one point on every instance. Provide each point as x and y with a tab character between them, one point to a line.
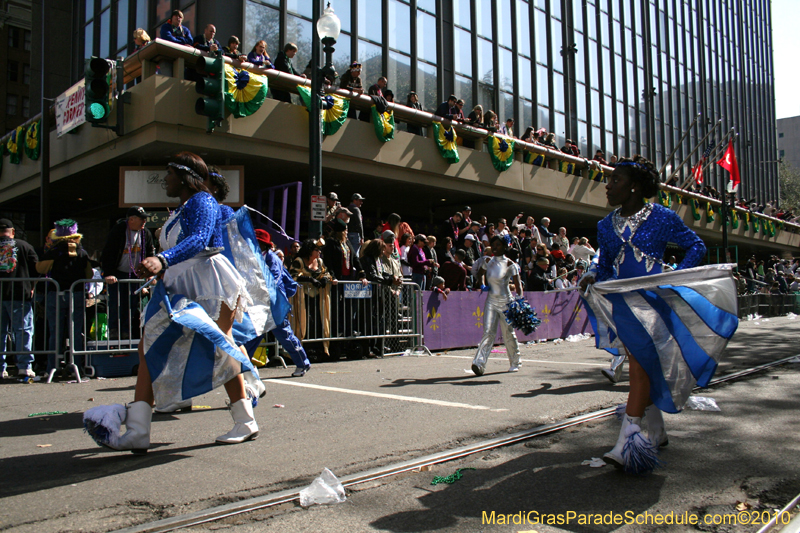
26	107
27	41
781	153
13	71
11	105
13	37
780	136
26	74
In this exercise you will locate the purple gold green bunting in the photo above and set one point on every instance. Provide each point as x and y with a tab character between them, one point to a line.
501	150
14	145
333	109
532	158
445	137
245	92
32	140
384	124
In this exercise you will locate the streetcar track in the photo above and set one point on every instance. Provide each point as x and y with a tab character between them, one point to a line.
270	500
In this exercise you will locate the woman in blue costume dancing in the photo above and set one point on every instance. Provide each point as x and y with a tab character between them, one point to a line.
632	241
212	290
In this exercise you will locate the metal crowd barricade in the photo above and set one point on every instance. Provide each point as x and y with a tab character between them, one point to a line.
26	326
768	305
350	311
106	326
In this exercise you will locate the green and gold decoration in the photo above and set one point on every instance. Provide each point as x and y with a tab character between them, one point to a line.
695	204
533	158
245	92
501	150
384	124
746	219
566	167
33	138
14	145
664	198
734	219
709	212
596	175
333	109
445	137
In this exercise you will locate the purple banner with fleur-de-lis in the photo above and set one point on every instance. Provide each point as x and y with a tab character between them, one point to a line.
458	322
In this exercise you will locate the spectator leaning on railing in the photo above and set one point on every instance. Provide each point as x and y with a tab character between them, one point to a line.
283	62
207	42
17	260
174	32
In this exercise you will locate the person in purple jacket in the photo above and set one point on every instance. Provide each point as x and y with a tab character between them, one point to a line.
418	261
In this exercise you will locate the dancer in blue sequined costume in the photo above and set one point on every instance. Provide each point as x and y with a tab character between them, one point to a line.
187	347
633	239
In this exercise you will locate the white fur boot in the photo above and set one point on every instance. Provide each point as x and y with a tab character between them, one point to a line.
633	452
245	427
655	426
104	421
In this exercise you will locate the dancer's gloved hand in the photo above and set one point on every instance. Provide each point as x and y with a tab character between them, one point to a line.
585	282
484	288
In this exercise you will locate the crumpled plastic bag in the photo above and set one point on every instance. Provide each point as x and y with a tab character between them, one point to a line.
595	462
578	337
323	490
702	403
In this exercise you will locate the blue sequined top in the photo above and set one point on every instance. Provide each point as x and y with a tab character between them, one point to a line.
227	212
200	219
634	246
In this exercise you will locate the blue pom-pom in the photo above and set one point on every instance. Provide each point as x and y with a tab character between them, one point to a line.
638	453
522	316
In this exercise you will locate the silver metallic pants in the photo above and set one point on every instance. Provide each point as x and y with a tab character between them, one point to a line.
493	315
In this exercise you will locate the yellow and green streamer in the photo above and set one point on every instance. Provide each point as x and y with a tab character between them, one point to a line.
501	150
333	109
33	139
14	145
445	137
245	92
384	124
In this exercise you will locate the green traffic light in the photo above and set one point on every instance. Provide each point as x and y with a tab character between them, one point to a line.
97	111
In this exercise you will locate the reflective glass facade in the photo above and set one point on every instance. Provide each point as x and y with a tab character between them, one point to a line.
621	76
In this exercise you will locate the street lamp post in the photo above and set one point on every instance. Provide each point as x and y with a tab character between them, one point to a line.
328	27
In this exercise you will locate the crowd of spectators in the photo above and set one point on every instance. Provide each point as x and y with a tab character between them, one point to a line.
770	276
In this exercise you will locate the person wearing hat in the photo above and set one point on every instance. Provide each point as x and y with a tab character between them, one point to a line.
65	262
128	243
17	260
355	229
333	204
286	287
413	102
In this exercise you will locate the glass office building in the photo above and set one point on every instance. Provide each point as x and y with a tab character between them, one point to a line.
621	76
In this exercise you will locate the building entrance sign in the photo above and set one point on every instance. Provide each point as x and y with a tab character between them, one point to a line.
70	109
144	186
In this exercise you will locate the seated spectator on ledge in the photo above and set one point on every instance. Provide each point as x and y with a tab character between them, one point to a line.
140	39
259	57
207	42
232	50
283	62
173	32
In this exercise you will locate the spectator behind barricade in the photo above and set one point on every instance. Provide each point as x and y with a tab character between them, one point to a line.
420	265
340	256
384	287
454	272
561	281
546	236
332	206
528	135
448	251
174	32
447	109
543	253
524	239
571	148
558	254
17	260
482	222
291	253
561	239
438	287
355	229
388	95
406	240
471	253
314	290
458	111
413	102
454	227
513	231
488	233
538	280
573	244
207	42
376	89
583	251
613	160
128	243
491	121
501	228
508	127
283	62
259	57
351	80
140	39
550	141
390	261
393	222
66	262
475	118
232	50
431	255
598	156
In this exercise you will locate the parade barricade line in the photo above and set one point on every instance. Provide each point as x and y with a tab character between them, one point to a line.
350	311
458	321
27	323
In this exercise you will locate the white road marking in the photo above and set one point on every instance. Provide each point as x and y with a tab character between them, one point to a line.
383	395
526	360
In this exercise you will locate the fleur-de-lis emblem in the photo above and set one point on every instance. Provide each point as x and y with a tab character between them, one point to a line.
578	308
546	312
478	314
433	316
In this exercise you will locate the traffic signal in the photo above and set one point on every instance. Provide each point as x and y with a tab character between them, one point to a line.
96	90
212	104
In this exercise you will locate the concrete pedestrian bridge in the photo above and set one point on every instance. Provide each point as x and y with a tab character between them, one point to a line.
406	175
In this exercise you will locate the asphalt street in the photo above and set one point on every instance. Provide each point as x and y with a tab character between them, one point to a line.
351	416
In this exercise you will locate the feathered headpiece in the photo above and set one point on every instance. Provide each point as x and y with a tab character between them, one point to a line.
66	228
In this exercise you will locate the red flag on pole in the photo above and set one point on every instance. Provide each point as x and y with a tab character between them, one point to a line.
697	172
728	162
